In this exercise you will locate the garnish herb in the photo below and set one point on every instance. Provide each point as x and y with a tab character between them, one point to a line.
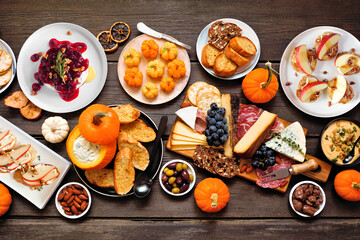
60	65
289	141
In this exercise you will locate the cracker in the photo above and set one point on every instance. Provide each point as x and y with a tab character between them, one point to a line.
205	89
5	61
193	89
126	113
6	77
206	99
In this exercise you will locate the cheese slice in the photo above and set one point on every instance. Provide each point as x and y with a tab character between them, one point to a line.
294	134
188	115
254	137
177	137
175	142
226	103
183	130
183	147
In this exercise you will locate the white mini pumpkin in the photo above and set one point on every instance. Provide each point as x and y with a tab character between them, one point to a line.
55	129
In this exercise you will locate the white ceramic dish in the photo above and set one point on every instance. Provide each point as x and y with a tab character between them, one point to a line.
190	170
319	108
7	48
59	207
47	98
163	96
322	193
247	31
45	155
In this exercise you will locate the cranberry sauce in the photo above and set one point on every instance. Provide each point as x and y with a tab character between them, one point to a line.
35	57
61	67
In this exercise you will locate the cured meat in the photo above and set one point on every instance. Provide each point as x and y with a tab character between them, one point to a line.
200	122
248	115
285	163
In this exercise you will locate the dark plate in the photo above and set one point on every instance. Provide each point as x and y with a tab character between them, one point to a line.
110	192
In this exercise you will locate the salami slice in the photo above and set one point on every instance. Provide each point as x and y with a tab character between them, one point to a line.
248	115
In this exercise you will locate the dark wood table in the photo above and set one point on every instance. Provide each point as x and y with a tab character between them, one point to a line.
253	212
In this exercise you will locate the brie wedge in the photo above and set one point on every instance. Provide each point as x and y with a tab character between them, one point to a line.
188	115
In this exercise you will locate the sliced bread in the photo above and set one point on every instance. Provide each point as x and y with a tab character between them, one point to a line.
243	46
139	130
224	66
208	55
124	171
141	157
101	177
234	56
126	113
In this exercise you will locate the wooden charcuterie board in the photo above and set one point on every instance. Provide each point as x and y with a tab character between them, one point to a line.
321	174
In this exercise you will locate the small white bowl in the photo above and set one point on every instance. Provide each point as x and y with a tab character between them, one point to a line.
322	193
190	170
59	207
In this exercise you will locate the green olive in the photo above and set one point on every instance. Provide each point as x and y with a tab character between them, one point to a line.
184	166
172	180
175	190
169	172
191	177
166	169
179	167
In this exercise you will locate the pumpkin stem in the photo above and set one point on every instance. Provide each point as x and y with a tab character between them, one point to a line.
355	185
97	118
215	200
268	81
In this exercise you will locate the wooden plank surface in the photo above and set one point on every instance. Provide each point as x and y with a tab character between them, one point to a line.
252	213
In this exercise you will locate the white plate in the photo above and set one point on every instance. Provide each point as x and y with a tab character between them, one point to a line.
45	155
319	108
247	31
47	98
163	96
7	48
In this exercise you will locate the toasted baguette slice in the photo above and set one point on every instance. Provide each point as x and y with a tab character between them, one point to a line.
124	171
101	177
206	99
141	157
127	113
208	55
139	130
224	66
243	46
234	56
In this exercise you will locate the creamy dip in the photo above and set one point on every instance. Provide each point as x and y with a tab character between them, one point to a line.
338	140
86	151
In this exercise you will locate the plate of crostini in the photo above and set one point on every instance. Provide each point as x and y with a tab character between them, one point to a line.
228	48
319	71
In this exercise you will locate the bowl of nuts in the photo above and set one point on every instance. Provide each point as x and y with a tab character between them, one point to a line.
73	200
307	198
177	177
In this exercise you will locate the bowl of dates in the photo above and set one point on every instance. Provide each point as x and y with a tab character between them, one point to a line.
177	177
307	199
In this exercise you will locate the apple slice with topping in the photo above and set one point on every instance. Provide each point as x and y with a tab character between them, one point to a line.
326	43
7	142
338	90
311	89
19	152
5	160
38	172
3	134
348	63
302	59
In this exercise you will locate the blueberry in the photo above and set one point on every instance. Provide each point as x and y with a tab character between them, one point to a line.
219	124
207	132
272	162
270	152
211	113
263	167
212	121
224	120
209	139
218	117
212	129
226	134
214	106
208	117
216	143
267	162
208	112
255	164
221	111
223	139
215	136
263	147
226	128
220	132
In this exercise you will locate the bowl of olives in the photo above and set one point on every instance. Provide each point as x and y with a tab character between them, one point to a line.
177	177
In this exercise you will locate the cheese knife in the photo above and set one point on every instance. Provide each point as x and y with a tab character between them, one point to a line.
145	29
294	170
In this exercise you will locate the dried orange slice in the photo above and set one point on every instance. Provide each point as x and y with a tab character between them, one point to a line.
106	41
16	100
120	31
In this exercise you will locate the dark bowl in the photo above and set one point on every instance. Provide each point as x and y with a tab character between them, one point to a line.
357	161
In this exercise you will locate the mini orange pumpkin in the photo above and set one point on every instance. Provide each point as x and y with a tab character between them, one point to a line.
132	58
99	124
260	85
347	185
211	195
5	199
150	49
176	68
133	77
167	84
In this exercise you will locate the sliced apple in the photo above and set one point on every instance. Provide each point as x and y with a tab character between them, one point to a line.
32	184
310	89
7	142
326	43
19	152
340	89
302	59
37	172
51	175
5	160
345	62
3	134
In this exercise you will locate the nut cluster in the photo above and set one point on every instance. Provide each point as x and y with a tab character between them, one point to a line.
74	200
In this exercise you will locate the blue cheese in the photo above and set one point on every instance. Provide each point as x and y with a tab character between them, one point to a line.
290	143
86	151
